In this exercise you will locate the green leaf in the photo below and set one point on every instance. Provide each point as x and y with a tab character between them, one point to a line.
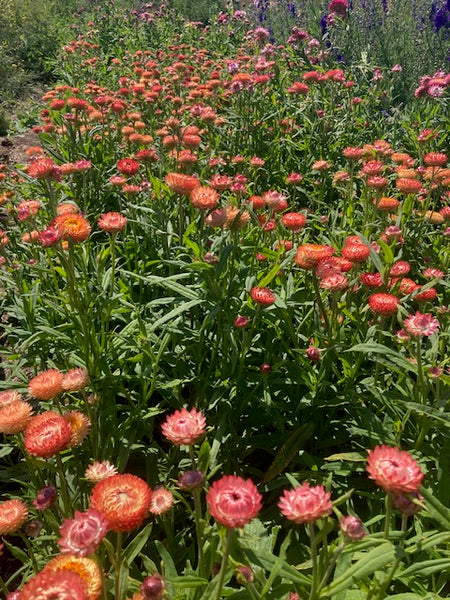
138	543
372	561
288	450
438	511
427	567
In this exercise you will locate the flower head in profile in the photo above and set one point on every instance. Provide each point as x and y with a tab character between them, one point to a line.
80	426
14	417
98	471
45	498
233	501
305	504
13	514
47	385
262	296
112	222
82	535
47	434
394	470
75	380
184	427
55	585
124	500
384	304
181	184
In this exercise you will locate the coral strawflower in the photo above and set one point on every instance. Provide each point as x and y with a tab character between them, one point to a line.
181	184
86	568
14	417
13	514
55	585
394	470
112	222
72	226
124	501
233	501
47	434
162	501
262	296
47	385
204	198
184	427
305	504
75	380
384	304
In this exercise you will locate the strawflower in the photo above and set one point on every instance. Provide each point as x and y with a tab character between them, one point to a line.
394	470
184	427
233	501
55	585
82	535
305	504
47	385
86	568
419	325
13	514
47	434
98	471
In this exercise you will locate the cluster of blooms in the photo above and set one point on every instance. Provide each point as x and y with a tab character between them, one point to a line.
434	86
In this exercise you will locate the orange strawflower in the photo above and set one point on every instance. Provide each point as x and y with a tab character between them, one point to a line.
15	417
47	434
80	426
46	385
72	226
181	184
86	568
13	514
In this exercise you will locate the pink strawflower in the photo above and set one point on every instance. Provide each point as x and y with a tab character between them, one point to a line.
82	535
75	380
419	325
394	470
184	427
233	501
305	504
161	502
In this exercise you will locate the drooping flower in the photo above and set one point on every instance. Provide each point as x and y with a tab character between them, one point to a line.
86	568
184	427
55	585
47	385
124	500
47	434
13	514
82	535
419	325
99	471
305	504
233	501
394	470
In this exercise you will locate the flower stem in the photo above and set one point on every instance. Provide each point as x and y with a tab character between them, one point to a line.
315	573
118	565
63	485
387	522
223	566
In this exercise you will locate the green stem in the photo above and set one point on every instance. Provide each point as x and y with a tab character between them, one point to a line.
330	567
387	521
315	572
223	566
118	565
63	485
3	587
198	520
322	309
30	552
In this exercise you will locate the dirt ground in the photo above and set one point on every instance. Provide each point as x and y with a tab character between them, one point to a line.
12	148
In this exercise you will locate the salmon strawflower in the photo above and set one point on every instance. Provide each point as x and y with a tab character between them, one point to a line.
47	385
305	504
162	501
44	168
112	222
86	568
98	471
47	434
204	198
124	500
73	227
262	296
13	514
308	255
181	184
51	585
82	535
14	417
408	186
8	397
128	166
394	470
75	380
233	501
80	426
294	221
184	427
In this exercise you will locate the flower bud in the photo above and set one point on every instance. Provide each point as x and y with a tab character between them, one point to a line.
45	498
33	528
152	588
352	528
190	480
405	503
244	574
313	354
